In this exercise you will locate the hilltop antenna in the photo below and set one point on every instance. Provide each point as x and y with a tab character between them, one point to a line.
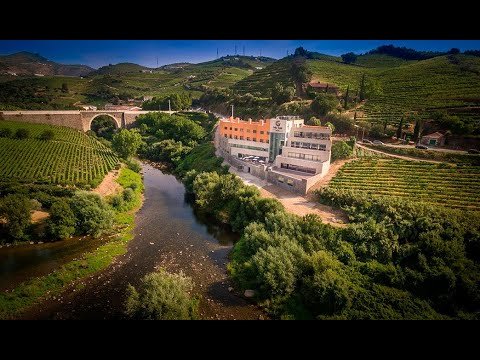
287	53
243	50
235	49
260	52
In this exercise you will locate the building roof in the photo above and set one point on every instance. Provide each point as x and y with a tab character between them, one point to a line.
314	127
320	85
434	135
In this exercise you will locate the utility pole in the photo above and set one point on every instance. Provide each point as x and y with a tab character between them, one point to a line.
232	111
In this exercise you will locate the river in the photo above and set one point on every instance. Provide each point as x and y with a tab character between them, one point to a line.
170	234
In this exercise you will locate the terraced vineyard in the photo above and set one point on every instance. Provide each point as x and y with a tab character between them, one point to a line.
439	184
71	157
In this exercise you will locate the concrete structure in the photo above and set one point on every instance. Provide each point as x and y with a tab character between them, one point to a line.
435	139
294	156
322	87
76	119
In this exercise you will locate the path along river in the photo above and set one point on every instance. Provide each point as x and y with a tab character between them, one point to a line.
170	234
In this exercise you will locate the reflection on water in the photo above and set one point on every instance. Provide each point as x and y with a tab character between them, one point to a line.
22	262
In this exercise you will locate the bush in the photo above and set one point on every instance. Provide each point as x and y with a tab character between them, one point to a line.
117	201
47	135
5	133
162	296
341	150
61	223
16	210
128	195
133	165
94	217
22	134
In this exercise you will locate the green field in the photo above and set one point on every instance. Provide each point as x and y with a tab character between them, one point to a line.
442	185
71	157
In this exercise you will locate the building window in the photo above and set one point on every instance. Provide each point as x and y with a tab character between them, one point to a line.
241	137
254	139
267	141
225	128
254	131
298	168
281	179
235	137
290	182
268	132
261	140
230	128
230	136
226	135
236	129
248	139
241	129
248	130
262	132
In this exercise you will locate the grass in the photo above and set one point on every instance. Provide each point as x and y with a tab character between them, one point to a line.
438	184
37	289
70	158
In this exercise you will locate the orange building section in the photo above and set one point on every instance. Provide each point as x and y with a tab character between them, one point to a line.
234	128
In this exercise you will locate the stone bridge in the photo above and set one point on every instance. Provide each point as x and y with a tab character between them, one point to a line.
77	119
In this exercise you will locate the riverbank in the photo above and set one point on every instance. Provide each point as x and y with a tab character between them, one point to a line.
35	290
168	233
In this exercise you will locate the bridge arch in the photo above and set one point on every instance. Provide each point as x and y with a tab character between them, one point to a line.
115	121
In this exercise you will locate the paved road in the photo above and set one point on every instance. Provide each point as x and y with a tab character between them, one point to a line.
409	158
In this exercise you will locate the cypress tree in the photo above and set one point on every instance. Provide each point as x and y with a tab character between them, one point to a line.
346	97
399	130
362	88
417	129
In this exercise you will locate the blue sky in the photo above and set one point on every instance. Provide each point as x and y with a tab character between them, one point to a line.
96	53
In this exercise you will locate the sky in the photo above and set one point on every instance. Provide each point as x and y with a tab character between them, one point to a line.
97	53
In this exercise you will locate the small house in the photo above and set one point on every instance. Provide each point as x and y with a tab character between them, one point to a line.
322	87
435	139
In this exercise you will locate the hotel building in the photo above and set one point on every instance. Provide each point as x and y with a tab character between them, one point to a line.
281	150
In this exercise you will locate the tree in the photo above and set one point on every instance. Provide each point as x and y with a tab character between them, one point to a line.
22	134
454	51
64	87
162	296
61	223
400	129
300	74
126	142
15	209
349	58
417	130
300	51
345	99
5	133
330	125
313	121
281	95
47	135
93	215
362	88
323	104
341	150
343	124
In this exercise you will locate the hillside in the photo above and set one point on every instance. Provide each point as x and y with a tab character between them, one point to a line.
126	80
26	63
121	68
71	157
448	82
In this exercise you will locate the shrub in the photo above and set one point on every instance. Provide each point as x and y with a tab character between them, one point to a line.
47	135
162	296
5	133
117	201
341	150
94	217
61	223
128	195
16	210
133	165
22	134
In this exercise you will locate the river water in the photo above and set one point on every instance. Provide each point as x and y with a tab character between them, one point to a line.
170	234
